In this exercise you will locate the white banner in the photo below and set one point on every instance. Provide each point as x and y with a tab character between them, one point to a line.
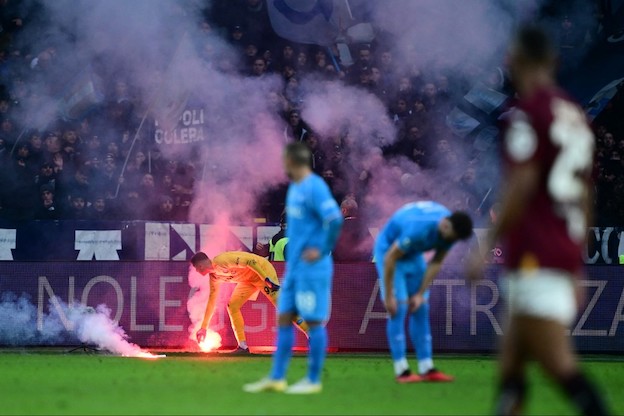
8	239
101	245
189	129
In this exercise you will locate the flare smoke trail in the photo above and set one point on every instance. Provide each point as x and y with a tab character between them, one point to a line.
90	326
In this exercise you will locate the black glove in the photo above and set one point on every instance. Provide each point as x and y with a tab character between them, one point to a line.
273	287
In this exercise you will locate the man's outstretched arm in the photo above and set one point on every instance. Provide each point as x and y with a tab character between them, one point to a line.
210	308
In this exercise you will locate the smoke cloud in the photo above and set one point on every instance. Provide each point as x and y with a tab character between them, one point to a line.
170	61
21	326
448	35
453	45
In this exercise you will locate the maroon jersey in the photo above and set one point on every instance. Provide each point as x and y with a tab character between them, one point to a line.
552	131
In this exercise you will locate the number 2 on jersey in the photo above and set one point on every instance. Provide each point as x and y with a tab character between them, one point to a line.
566	185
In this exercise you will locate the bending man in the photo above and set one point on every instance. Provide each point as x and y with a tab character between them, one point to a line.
251	273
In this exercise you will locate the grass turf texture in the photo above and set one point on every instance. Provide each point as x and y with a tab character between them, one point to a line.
57	383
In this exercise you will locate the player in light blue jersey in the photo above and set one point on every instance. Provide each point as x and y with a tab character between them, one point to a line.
405	278
314	223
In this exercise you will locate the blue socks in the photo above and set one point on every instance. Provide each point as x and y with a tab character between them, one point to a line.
420	334
395	331
281	356
318	351
316	358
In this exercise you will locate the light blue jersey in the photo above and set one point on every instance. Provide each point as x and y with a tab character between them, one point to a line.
313	217
314	221
414	227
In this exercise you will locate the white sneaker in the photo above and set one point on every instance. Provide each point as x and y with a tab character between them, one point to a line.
304	386
266	384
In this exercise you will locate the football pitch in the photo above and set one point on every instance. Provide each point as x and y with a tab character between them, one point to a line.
54	382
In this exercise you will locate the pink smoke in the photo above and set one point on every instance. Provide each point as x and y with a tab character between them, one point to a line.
218	240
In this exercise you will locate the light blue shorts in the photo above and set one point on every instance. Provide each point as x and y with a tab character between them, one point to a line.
306	291
408	276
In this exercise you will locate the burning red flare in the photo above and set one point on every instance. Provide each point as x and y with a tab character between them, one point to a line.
211	342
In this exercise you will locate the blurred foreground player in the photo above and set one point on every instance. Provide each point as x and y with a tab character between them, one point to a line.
405	278
548	150
314	223
251	273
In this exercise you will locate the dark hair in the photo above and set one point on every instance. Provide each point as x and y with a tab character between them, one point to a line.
350	206
462	224
46	188
198	257
299	153
534	45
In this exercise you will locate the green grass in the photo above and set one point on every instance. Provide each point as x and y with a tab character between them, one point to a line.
56	383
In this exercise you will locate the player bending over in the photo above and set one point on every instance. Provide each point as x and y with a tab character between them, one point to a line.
314	223
251	273
548	150
405	278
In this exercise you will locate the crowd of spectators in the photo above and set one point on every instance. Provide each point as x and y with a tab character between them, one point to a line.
608	178
68	173
417	99
75	169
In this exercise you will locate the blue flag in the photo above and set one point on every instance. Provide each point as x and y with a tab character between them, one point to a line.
319	22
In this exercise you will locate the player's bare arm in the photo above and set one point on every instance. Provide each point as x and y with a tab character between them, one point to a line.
433	268
392	256
210	308
522	185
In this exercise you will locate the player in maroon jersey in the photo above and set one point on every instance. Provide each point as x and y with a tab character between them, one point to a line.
548	154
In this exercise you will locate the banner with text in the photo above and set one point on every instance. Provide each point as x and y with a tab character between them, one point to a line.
148	299
166	241
188	129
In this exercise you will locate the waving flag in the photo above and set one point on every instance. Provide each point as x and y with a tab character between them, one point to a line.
600	100
81	95
319	22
